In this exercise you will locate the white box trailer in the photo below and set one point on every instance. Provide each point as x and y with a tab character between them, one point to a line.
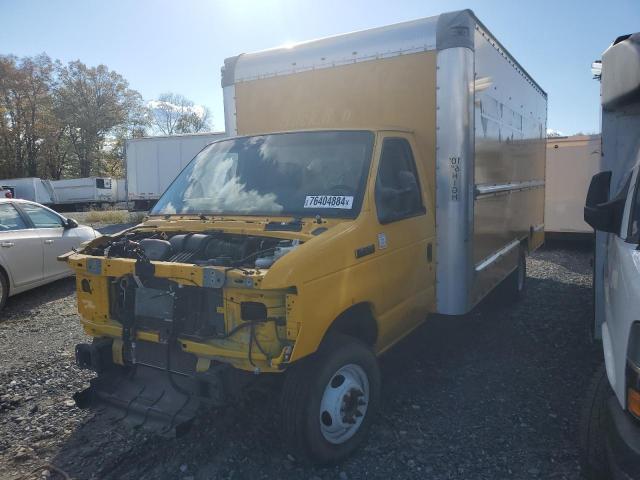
74	193
479	120
153	162
31	188
571	162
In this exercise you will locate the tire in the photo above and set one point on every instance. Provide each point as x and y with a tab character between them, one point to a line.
516	282
593	454
4	289
343	374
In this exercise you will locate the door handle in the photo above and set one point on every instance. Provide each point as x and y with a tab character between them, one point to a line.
48	242
7	244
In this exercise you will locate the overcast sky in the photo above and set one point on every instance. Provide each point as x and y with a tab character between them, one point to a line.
179	46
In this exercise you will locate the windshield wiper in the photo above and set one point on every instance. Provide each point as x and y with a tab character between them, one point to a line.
293	225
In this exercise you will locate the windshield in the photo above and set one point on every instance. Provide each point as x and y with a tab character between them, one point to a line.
289	174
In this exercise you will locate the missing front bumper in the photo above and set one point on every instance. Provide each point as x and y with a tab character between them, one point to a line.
144	397
158	395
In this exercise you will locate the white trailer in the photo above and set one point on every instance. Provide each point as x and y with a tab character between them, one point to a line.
153	162
571	162
31	188
74	193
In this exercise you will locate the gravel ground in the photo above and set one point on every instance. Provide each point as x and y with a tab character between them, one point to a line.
494	394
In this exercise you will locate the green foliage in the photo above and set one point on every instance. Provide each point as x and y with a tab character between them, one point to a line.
64	120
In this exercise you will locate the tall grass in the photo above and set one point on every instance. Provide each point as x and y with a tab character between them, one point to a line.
108	216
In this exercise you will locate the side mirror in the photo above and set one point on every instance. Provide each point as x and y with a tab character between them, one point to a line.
70	223
603	215
599	189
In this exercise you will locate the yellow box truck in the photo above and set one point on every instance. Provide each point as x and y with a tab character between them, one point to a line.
369	180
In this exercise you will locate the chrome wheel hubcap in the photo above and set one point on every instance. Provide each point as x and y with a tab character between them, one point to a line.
344	404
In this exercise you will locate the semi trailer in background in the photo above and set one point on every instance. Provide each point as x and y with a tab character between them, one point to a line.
370	179
81	193
68	194
31	188
610	437
153	162
571	162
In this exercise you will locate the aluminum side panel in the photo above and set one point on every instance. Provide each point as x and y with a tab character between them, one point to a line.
502	218
454	179
510	113
372	44
229	99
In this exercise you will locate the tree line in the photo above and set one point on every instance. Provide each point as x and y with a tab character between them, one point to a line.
71	120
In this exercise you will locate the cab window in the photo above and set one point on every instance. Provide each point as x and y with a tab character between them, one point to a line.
41	217
397	189
10	219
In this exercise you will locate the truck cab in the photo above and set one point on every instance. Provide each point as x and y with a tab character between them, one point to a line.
611	423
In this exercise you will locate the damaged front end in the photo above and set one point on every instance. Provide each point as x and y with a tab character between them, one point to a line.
179	319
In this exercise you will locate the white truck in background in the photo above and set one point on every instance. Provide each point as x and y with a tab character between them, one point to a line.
69	194
153	162
31	188
610	437
78	193
571	162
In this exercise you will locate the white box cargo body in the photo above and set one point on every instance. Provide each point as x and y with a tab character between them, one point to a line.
571	162
477	116
153	162
32	188
85	191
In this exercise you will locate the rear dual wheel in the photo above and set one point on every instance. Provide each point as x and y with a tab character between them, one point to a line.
329	400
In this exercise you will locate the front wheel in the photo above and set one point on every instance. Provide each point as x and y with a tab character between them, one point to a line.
329	400
593	454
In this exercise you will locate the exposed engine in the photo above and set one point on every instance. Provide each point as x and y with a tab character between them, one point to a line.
204	249
144	301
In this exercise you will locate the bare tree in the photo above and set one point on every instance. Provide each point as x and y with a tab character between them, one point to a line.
173	114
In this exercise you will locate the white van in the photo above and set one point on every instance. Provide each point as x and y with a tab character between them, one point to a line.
611	427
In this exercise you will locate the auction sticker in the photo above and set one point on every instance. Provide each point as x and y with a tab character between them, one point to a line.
328	201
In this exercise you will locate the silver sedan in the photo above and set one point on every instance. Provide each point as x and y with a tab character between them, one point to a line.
31	238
